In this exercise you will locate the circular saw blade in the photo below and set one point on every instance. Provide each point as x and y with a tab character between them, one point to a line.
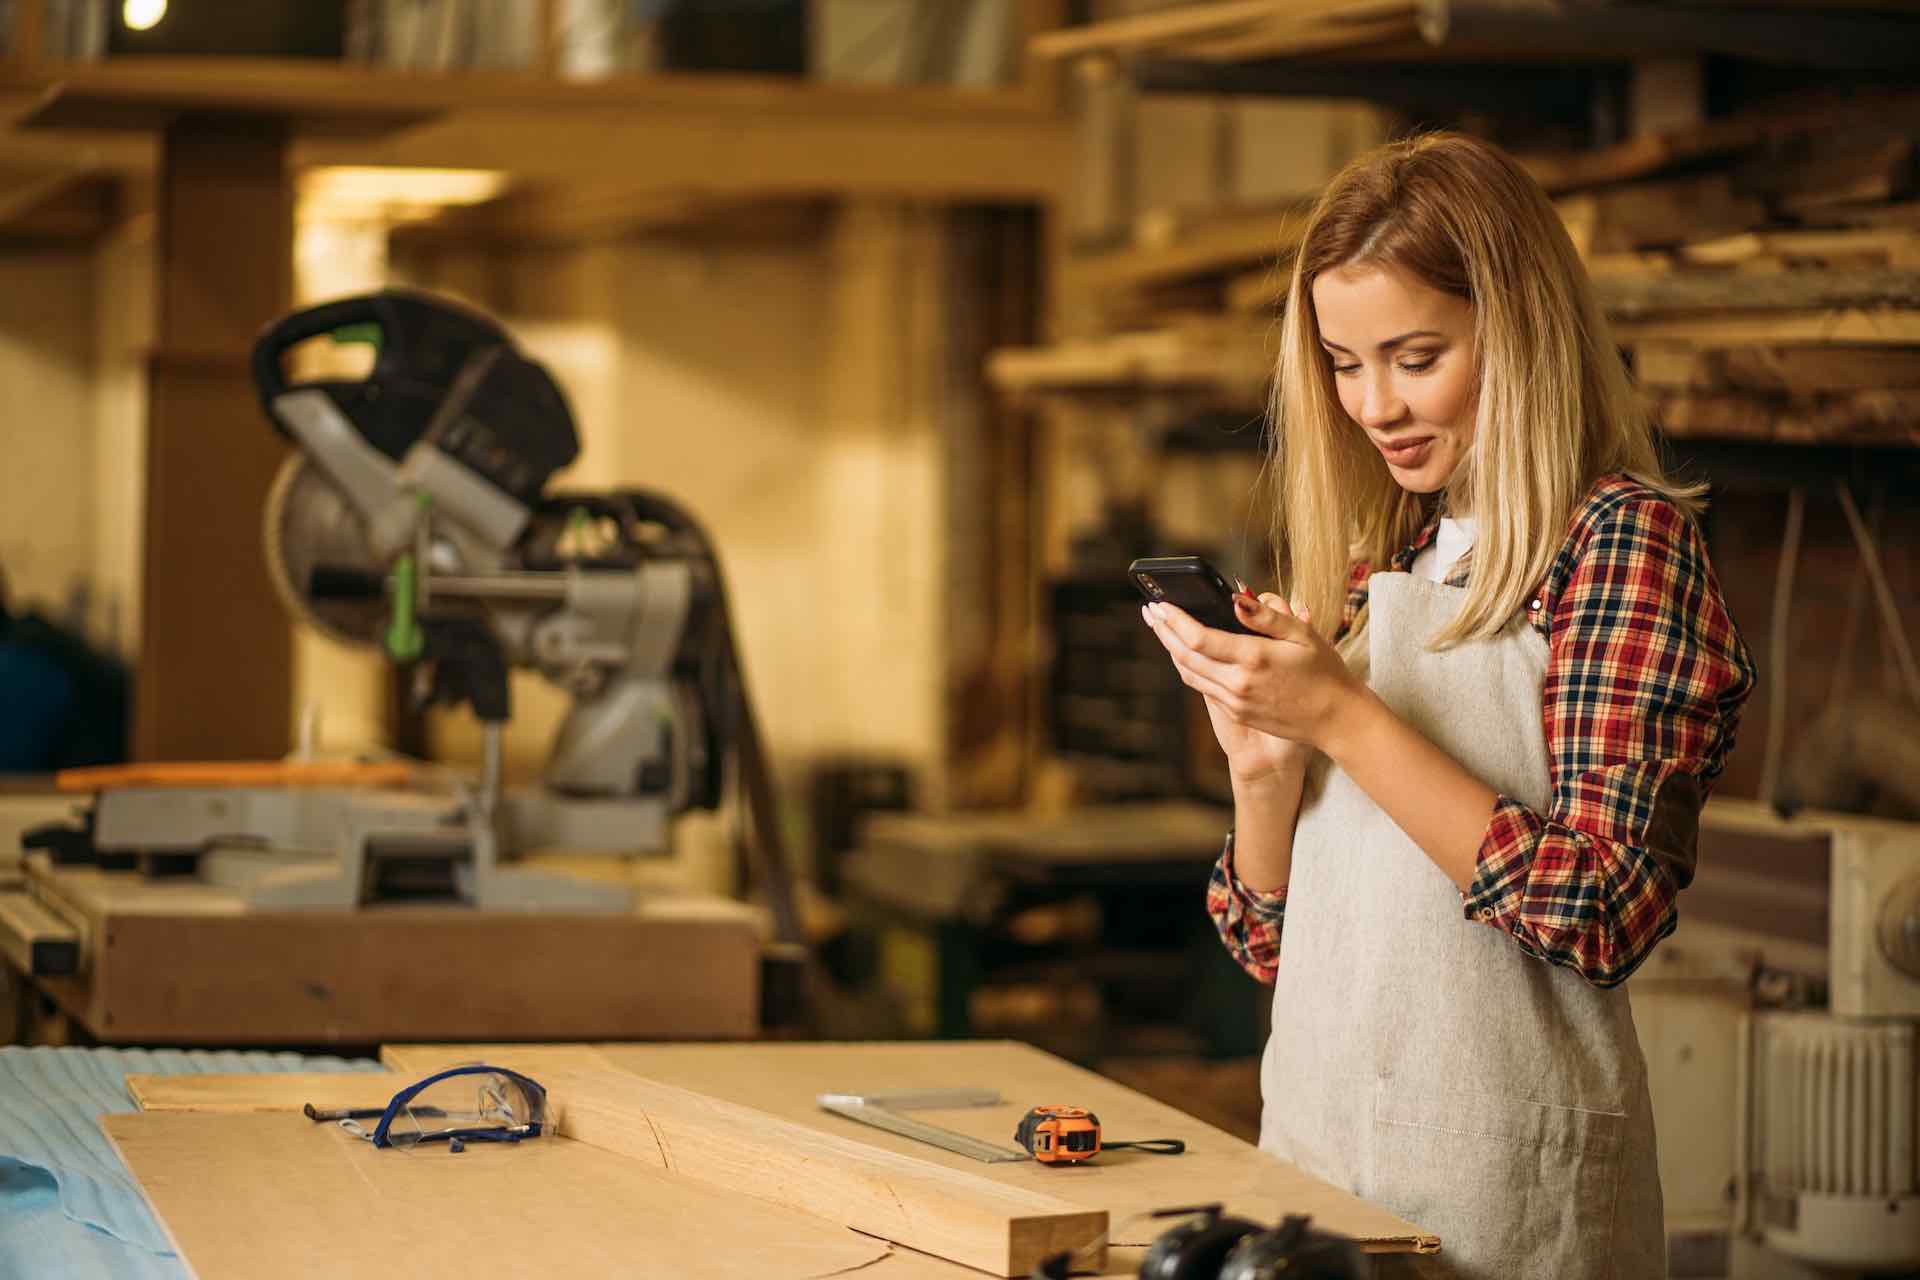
309	523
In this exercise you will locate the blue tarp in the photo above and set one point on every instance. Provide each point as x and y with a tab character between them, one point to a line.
68	1206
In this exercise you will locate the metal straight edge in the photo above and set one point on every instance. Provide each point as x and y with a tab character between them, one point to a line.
873	1110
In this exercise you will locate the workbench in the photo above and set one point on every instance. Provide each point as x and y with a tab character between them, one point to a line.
246	1186
175	960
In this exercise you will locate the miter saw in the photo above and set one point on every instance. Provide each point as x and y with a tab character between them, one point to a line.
414	518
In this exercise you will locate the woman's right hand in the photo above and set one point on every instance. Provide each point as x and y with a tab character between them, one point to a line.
1255	756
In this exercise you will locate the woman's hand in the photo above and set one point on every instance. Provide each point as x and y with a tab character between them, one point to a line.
1271	696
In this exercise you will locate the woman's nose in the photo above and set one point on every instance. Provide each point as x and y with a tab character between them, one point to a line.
1380	405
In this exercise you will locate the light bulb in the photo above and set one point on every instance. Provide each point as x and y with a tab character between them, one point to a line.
143	15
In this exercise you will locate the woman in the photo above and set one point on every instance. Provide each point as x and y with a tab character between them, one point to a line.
1463	815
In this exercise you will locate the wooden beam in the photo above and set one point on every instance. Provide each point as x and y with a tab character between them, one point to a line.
1227	357
946	1212
216	650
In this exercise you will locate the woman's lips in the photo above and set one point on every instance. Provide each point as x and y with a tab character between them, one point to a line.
1406	453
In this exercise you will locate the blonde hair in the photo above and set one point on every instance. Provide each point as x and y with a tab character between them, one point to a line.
1556	408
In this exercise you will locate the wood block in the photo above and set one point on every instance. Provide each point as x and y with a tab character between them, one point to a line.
949	1213
264	1090
783	1080
244	1196
184	961
37	942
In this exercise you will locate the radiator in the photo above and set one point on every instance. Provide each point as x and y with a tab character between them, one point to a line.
1832	1139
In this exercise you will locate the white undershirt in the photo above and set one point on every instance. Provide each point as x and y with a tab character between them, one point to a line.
1436	561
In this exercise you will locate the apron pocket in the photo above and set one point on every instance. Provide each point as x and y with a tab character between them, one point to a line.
1512	1188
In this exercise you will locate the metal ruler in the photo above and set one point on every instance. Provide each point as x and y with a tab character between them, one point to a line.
886	1111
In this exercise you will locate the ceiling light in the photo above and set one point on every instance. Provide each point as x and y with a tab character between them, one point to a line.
143	15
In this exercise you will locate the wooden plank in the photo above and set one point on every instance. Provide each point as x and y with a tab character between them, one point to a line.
243	1196
1809	289
1170	358
245	1091
1794	371
1865	417
1876	327
1662	214
1139	31
37	942
183	961
784	1079
953	1214
1895	247
1212	245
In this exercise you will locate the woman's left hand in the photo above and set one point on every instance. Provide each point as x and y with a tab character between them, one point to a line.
1287	681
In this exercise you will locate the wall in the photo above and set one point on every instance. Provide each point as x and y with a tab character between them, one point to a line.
789	394
48	507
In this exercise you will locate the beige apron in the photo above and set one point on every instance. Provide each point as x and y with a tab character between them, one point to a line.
1422	1060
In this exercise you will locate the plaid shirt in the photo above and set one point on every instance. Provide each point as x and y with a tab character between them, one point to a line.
1645	679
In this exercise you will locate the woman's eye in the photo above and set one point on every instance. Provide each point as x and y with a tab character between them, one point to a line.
1346	370
1416	366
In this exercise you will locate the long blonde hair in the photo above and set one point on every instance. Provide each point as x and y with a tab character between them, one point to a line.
1556	408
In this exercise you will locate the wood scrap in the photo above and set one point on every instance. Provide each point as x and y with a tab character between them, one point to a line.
1216	244
950	1213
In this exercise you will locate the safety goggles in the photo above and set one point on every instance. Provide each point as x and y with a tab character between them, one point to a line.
475	1103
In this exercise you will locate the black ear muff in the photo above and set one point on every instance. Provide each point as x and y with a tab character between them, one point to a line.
1293	1251
1195	1250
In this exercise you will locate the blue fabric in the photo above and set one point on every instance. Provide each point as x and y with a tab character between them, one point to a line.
68	1207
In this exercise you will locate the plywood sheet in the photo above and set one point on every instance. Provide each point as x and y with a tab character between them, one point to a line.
784	1079
244	1196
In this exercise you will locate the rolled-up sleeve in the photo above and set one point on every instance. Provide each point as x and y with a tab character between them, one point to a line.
1645	680
1248	920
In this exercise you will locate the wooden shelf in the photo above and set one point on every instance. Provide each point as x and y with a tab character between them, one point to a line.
716	134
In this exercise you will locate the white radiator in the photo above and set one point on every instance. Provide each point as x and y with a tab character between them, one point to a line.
1833	1139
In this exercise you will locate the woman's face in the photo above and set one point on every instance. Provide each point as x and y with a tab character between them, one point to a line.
1405	365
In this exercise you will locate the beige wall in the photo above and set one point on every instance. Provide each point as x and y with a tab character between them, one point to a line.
787	394
48	505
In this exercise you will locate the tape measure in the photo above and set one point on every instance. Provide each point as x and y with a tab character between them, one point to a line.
1071	1135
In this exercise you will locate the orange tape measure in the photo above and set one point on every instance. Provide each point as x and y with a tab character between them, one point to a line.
1071	1135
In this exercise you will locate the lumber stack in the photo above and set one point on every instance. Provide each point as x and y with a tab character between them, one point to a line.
1776	299
1761	271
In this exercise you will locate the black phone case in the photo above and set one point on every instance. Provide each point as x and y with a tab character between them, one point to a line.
1192	584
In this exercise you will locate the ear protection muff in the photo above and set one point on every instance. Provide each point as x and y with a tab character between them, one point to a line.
1195	1250
1293	1251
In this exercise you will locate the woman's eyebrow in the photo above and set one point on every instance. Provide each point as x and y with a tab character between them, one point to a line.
1390	343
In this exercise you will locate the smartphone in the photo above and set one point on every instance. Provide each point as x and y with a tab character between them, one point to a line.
1192	584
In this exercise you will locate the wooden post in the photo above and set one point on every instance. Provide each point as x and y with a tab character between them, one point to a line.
215	675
